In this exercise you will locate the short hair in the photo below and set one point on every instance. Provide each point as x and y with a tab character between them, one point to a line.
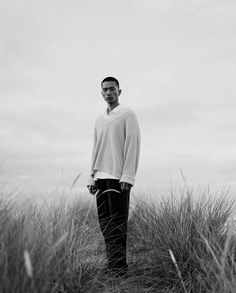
110	78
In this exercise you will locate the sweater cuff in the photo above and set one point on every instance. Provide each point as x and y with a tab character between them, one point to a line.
127	179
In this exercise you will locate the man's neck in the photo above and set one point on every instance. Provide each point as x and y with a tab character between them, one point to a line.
111	107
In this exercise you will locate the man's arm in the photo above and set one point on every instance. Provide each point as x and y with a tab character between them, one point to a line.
91	183
131	150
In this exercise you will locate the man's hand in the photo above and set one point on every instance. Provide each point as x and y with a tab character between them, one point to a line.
92	189
125	186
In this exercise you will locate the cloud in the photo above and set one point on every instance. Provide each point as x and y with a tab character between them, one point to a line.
176	64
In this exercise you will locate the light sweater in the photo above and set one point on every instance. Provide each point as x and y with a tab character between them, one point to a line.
116	145
107	115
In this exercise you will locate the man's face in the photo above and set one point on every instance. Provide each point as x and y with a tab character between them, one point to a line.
110	92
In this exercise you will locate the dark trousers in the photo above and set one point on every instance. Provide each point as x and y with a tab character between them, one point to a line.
113	210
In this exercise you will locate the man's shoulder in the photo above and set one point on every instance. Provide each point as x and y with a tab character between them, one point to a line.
125	114
99	118
130	113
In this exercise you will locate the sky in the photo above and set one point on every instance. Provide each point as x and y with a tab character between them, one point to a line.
176	63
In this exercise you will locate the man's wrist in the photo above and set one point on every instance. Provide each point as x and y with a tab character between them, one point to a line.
125	186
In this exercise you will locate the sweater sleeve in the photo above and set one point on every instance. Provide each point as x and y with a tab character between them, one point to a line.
131	149
91	175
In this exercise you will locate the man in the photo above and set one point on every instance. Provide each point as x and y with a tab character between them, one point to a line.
114	164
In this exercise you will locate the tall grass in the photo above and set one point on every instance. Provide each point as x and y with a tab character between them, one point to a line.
179	244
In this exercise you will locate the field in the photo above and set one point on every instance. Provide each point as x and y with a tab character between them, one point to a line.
178	244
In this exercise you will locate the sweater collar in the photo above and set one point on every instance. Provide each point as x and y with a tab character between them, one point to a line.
116	110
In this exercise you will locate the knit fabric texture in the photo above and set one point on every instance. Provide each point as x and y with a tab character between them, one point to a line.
116	146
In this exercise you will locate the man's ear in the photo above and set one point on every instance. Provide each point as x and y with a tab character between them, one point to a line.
120	91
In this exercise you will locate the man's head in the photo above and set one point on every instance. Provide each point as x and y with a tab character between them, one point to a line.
111	90
110	78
